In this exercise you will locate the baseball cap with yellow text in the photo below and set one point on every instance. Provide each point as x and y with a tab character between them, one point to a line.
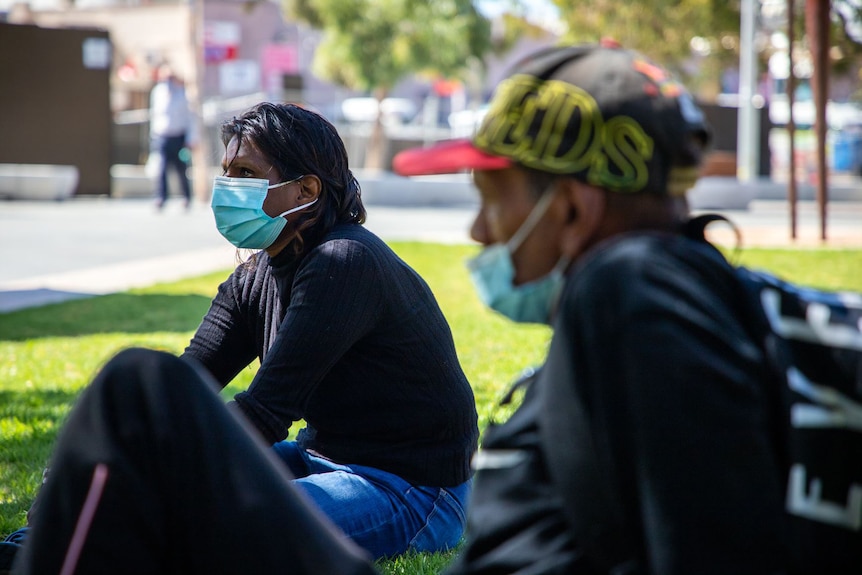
605	115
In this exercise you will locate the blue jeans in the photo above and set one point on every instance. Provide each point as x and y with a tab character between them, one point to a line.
378	510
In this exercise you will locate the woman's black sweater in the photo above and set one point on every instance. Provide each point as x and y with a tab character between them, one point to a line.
351	340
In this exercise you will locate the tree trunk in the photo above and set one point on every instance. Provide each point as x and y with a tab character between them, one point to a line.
817	28
375	153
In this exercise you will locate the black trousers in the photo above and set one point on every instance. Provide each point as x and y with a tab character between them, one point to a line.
152	474
170	147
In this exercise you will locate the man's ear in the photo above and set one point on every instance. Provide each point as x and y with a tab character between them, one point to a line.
587	205
310	188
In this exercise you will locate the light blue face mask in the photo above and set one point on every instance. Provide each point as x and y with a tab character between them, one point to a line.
237	204
493	273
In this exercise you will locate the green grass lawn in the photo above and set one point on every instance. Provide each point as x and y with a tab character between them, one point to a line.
48	354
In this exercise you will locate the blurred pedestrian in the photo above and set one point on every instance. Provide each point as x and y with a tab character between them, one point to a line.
171	133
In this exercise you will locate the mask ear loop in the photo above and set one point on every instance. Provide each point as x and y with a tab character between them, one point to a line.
529	224
532	219
297	208
559	268
272	187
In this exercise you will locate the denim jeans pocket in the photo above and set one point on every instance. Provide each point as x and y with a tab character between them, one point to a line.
444	525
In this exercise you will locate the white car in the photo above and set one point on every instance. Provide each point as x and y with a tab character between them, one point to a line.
392	110
838	114
465	123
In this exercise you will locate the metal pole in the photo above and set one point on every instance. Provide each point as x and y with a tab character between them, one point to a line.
791	125
817	25
748	133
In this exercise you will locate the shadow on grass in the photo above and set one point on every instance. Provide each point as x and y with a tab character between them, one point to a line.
115	313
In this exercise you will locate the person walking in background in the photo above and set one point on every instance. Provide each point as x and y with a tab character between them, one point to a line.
171	131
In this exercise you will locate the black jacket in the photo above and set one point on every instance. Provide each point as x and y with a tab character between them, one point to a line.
659	416
646	442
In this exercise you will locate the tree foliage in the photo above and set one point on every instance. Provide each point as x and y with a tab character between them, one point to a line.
369	45
848	15
662	29
846	35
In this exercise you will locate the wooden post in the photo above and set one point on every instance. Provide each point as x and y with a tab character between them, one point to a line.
817	29
791	125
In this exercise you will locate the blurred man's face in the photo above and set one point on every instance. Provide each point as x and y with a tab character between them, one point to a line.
506	201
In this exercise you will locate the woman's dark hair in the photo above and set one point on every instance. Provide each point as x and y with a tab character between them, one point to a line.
300	142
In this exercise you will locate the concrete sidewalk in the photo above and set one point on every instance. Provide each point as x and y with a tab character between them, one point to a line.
766	223
55	251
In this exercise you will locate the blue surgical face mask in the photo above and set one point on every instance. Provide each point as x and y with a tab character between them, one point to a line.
237	204
493	274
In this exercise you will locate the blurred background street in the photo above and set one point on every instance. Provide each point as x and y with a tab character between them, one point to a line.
79	160
52	251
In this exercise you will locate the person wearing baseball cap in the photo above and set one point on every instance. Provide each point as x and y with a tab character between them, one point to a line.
644	443
579	124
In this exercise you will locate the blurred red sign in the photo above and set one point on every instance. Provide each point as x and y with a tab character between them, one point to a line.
221	41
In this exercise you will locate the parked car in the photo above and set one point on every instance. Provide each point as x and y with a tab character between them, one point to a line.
465	122
838	114
392	110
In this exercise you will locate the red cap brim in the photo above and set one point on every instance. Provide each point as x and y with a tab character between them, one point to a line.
446	158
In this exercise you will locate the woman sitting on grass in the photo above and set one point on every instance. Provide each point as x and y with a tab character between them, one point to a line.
350	339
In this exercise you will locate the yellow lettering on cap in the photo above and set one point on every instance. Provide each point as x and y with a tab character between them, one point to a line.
560	105
627	148
499	130
558	127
